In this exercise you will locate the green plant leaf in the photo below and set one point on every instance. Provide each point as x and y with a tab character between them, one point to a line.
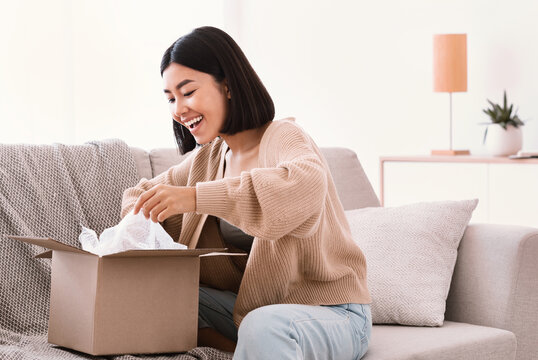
503	115
518	121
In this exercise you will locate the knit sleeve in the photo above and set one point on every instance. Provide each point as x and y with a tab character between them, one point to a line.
271	202
177	176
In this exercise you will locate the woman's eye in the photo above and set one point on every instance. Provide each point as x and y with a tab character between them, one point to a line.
189	93
171	100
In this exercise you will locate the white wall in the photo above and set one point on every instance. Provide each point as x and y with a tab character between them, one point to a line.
35	76
73	71
118	49
359	73
355	73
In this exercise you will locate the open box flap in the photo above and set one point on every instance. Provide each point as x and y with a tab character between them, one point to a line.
48	243
223	253
48	254
44	255
171	252
55	245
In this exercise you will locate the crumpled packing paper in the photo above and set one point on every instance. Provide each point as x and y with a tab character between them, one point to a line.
133	232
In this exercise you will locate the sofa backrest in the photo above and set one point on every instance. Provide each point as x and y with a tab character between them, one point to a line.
354	188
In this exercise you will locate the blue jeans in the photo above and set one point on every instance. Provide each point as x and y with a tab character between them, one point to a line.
289	331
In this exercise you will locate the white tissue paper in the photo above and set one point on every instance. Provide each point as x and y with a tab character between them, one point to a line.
133	232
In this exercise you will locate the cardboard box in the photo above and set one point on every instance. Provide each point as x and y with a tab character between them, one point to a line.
133	302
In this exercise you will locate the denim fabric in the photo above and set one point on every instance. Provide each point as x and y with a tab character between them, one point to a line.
290	331
215	310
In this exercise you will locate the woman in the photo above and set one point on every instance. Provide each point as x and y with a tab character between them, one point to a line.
260	187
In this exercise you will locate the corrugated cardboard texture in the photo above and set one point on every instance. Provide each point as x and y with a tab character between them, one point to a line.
163	253
72	295
146	305
47	243
56	245
137	301
104	306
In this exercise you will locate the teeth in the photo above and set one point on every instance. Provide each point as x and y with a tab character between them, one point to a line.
195	120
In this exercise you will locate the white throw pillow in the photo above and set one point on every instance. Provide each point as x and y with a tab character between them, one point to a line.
410	252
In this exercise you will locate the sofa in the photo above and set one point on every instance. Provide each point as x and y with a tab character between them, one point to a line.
492	305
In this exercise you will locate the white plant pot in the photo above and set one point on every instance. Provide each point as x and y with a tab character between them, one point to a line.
501	142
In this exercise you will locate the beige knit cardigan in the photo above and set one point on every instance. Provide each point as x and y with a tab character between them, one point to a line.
302	252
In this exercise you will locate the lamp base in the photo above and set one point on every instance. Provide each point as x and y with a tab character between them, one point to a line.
451	152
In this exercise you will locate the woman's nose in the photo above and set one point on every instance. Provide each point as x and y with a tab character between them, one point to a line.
180	109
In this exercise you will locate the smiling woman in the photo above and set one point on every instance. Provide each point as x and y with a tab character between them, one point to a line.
198	102
259	187
206	61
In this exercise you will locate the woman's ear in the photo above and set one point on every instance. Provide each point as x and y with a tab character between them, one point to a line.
226	89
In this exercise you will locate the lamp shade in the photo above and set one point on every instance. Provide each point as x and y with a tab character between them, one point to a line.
450	62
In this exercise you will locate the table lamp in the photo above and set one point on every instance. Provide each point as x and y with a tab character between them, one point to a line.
450	73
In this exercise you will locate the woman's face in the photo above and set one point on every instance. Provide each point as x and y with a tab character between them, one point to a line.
196	101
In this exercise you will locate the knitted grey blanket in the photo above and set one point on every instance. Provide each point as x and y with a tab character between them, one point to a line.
48	191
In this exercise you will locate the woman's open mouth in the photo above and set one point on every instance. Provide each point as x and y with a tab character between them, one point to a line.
194	124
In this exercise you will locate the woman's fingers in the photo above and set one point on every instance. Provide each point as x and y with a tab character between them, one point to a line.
156	211
151	203
175	199
148	200
142	199
165	214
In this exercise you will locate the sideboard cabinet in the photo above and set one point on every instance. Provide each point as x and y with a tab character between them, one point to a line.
507	189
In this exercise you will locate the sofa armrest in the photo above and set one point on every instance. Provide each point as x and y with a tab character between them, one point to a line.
495	282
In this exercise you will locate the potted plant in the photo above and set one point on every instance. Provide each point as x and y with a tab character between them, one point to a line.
503	135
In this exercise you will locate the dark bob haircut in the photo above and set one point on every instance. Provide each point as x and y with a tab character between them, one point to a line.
212	51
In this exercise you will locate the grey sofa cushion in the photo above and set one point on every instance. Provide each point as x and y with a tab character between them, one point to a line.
354	188
495	282
163	159
451	341
143	164
352	184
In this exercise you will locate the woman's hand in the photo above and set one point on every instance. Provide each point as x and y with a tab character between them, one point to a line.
162	201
